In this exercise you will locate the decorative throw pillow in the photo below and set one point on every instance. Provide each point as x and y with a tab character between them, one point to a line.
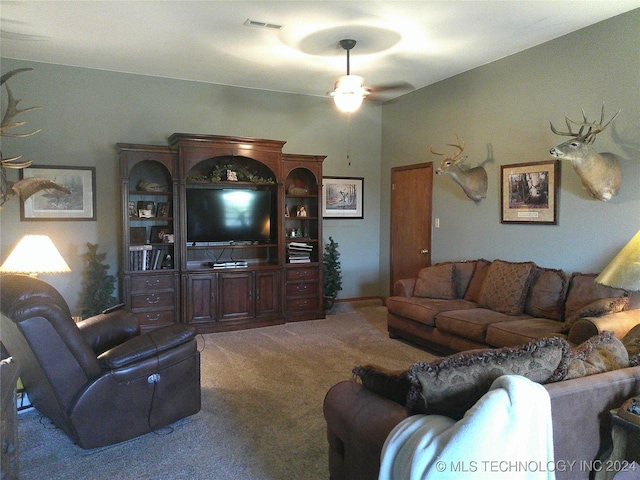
631	341
477	279
506	286
392	385
601	353
548	292
436	282
463	273
597	308
452	385
583	290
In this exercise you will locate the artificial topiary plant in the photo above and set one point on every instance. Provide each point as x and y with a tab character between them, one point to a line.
97	285
331	273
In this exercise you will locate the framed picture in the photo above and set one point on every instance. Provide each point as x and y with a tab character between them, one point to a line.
343	197
80	204
529	192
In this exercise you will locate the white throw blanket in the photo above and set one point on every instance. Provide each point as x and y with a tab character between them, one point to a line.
506	435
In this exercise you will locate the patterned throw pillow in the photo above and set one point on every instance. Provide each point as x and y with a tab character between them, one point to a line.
548	293
583	290
436	282
477	279
631	341
601	353
392	385
506	286
597	308
451	385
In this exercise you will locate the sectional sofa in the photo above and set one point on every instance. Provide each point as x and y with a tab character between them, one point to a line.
458	306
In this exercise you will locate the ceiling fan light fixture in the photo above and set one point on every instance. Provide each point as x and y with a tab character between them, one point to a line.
349	92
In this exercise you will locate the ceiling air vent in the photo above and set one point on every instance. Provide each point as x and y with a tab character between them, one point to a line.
254	23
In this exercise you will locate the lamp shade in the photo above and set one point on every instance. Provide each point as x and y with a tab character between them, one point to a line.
35	254
624	270
349	93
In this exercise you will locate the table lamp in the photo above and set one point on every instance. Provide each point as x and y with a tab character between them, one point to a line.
35	254
624	270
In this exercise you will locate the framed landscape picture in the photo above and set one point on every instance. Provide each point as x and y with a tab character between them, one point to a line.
529	192
342	197
80	204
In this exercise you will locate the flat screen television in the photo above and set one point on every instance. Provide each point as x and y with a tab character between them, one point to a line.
229	215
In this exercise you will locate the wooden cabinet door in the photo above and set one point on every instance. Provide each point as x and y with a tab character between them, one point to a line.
411	187
200	296
267	292
235	301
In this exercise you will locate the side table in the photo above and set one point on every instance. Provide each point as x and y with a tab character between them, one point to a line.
9	373
621	429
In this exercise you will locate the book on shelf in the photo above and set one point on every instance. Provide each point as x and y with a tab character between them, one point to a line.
299	260
145	257
299	252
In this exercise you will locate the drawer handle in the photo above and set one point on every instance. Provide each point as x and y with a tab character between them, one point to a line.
302	274
302	288
152	284
302	303
156	299
154	319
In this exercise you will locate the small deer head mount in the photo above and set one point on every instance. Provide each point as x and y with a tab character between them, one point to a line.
473	180
599	172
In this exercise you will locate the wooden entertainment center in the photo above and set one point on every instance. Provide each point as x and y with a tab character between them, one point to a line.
271	277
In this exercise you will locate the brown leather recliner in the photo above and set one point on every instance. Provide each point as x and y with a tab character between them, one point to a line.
99	380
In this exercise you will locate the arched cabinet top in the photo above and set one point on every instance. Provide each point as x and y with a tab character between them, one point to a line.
195	148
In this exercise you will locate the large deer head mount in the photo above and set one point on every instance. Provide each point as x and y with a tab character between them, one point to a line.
472	180
599	172
27	186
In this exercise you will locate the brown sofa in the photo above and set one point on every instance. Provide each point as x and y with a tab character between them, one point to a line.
359	421
458	306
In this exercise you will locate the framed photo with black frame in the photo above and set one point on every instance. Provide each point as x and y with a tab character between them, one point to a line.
529	192
80	204
343	197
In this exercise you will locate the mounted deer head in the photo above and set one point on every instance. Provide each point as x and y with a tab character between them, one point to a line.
599	172
473	180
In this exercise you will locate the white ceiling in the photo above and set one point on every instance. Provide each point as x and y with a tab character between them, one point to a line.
419	42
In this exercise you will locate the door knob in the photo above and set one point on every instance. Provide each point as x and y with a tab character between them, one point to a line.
424	251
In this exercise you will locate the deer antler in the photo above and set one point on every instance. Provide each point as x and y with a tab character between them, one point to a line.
10	114
593	128
459	145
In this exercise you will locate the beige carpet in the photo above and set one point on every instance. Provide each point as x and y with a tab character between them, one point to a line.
261	417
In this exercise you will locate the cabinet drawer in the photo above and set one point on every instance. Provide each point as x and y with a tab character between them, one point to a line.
302	304
164	317
294	274
151	283
306	288
152	299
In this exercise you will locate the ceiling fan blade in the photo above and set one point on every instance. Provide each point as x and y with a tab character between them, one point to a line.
377	93
390	87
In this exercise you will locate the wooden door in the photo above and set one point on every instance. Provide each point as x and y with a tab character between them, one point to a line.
411	188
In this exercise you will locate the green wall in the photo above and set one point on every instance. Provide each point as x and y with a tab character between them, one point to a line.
502	110
86	112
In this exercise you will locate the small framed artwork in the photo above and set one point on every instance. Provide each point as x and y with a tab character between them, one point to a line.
162	210
343	197
529	192
159	234
80	204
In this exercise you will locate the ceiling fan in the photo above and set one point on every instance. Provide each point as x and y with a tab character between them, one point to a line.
349	90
